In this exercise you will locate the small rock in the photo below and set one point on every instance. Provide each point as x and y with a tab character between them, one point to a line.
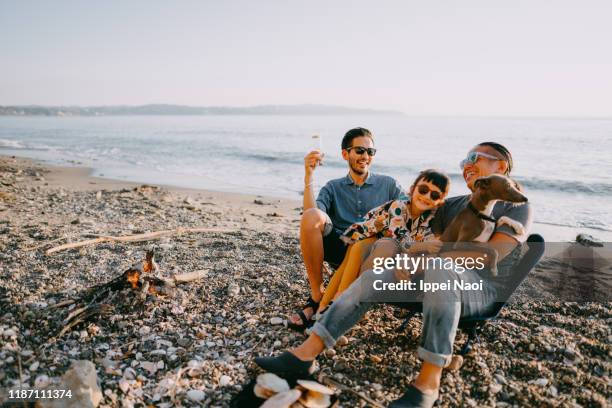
129	373
99	195
552	390
495	388
82	379
276	321
149	366
375	359
124	385
196	395
500	379
9	334
184	342
569	353
540	381
225	380
42	381
34	366
470	402
342	341
329	353
233	289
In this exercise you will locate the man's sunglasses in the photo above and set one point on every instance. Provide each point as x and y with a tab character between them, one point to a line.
361	150
424	189
473	157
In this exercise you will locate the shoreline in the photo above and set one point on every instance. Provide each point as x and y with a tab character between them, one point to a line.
80	177
250	211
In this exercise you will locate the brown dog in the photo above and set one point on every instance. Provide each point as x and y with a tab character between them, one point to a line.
475	224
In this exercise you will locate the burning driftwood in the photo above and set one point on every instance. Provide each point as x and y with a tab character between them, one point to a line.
98	301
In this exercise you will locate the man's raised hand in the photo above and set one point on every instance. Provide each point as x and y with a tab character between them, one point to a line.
312	160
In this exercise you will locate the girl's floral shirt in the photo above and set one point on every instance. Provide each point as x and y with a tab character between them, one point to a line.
392	219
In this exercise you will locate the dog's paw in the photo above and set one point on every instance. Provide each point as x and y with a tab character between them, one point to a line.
515	225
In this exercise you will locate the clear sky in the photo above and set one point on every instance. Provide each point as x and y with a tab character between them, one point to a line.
463	57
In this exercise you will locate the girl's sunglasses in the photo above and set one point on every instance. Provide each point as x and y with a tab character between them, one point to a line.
424	189
361	150
473	157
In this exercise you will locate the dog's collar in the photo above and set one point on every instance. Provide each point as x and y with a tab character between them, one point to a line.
479	214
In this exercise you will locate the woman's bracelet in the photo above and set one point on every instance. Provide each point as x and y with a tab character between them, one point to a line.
309	184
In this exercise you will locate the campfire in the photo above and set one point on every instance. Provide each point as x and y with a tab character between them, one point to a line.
139	280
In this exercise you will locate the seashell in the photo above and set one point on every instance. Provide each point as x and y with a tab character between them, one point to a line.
282	399
269	384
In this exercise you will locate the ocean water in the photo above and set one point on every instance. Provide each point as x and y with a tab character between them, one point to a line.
565	165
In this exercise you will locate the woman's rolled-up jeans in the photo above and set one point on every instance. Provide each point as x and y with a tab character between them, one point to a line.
441	309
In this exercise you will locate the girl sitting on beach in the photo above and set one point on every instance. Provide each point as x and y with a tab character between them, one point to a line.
405	219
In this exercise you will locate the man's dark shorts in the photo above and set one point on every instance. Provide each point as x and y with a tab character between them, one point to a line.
333	247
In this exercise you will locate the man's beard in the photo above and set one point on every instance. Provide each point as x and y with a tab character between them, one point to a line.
357	170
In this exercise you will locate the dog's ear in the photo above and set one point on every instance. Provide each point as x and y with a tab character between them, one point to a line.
482	182
517	185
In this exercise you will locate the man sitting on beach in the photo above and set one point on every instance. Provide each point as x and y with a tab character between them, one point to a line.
341	202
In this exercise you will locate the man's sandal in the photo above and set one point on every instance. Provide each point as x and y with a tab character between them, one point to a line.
306	323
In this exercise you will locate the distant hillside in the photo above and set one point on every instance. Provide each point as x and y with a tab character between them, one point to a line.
33	110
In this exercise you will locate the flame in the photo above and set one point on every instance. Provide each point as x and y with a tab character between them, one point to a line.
149	263
133	277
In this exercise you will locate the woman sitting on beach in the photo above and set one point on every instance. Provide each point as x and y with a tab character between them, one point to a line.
406	219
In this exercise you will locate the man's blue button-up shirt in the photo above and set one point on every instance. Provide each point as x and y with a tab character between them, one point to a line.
347	203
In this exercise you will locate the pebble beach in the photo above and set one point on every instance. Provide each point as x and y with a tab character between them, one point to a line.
195	348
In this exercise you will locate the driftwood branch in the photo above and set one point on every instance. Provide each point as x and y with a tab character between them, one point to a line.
329	381
34	248
133	238
190	276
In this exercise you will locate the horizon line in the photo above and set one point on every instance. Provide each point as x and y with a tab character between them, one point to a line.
319	105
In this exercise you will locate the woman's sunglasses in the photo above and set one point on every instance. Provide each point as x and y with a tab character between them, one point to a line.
361	150
473	157
424	189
